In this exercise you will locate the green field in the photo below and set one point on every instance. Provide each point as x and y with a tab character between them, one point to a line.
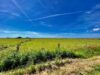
22	53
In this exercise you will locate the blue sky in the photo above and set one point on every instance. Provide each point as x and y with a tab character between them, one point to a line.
50	18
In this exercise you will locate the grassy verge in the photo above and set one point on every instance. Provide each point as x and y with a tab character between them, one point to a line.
32	69
16	59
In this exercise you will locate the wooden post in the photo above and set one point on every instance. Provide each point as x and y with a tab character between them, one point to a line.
58	45
18	47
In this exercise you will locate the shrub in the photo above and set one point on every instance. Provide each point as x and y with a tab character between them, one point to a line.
9	62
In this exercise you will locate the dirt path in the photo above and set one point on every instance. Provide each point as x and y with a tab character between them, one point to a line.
77	67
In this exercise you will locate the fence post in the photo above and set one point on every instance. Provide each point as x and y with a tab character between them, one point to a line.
18	47
58	45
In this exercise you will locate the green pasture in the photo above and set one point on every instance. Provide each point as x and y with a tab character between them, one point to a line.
16	53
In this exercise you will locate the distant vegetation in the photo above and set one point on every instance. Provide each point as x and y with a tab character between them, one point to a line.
19	37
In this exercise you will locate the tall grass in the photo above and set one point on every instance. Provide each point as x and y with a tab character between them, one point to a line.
15	59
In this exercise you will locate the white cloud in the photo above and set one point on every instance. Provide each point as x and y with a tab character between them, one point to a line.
96	29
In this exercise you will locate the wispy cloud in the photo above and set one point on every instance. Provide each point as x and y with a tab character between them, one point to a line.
45	24
8	33
93	18
32	34
56	15
88	20
9	12
93	9
19	32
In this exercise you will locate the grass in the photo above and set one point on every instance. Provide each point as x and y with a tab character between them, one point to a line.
95	71
37	51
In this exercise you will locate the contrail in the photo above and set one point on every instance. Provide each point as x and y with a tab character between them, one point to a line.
45	6
22	11
55	15
41	3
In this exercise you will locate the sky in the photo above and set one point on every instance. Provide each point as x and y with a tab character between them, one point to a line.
50	18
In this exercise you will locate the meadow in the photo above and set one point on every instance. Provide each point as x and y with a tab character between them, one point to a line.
20	55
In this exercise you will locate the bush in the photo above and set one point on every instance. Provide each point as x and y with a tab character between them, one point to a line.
9	62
